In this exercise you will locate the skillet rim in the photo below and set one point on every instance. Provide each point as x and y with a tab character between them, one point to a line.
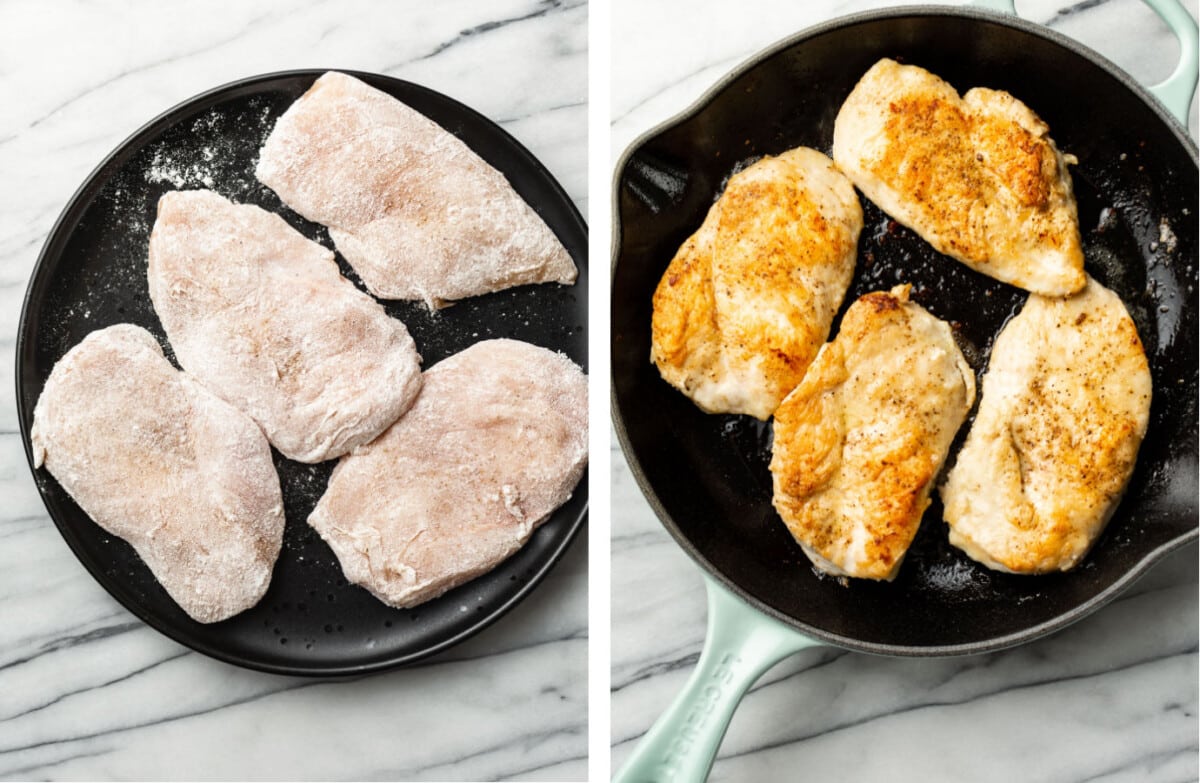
1104	596
73	210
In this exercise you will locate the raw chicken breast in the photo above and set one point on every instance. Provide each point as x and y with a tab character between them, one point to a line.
748	300
263	317
979	178
495	442
158	460
413	209
860	441
1066	402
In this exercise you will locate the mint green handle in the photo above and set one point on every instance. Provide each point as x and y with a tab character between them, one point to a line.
742	643
1176	91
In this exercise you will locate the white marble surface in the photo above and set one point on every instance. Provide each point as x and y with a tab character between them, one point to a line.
1112	698
87	691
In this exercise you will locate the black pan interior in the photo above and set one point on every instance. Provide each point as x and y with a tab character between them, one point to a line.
92	273
707	476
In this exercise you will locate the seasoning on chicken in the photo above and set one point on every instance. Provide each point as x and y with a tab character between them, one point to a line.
977	177
860	441
1066	402
749	298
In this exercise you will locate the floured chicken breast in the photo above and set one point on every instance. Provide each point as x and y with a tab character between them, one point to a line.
747	301
412	208
860	441
155	458
495	442
1066	402
263	317
977	177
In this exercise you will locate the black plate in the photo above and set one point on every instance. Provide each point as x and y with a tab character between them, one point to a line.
706	476
92	273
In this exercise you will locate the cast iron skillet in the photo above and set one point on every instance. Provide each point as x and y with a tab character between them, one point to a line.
706	476
92	273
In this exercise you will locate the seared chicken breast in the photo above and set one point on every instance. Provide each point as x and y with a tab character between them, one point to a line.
860	441
1066	402
157	459
749	298
977	177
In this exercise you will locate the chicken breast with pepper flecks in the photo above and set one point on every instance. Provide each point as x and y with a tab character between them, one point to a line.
749	298
1066	402
860	441
977	177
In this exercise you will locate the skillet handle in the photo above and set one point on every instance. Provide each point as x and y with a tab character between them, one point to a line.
1176	91
742	643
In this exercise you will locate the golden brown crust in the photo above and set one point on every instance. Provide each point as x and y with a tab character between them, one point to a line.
770	236
858	443
743	307
1065	406
684	319
978	177
931	167
1024	163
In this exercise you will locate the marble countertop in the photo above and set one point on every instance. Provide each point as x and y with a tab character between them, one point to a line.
1111	698
86	690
